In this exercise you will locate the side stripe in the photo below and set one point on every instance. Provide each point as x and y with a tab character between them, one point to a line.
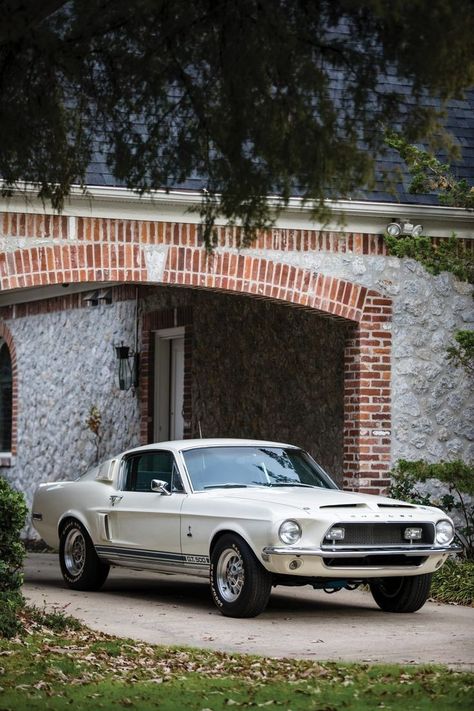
155	556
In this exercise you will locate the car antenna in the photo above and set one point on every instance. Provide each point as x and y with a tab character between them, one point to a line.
200	431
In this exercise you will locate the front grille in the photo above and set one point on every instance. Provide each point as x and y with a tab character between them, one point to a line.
379	534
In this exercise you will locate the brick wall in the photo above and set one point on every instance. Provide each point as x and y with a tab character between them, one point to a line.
55	249
367	398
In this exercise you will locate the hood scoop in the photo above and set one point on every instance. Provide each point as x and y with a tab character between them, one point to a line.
343	506
396	506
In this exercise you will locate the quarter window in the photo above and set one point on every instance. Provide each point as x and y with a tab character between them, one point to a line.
6	389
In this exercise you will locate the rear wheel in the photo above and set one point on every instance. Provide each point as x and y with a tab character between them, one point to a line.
406	594
80	565
240	585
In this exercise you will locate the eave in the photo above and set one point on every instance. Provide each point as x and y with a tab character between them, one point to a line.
360	216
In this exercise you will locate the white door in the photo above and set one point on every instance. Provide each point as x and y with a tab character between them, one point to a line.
144	526
169	384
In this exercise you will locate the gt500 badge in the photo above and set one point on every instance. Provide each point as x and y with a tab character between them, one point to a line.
197	559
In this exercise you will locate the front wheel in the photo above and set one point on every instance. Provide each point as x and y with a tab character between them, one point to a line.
80	565
407	594
240	585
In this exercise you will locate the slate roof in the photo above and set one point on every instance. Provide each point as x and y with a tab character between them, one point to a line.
459	122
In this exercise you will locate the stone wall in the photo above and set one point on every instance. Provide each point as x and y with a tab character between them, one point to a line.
432	402
66	364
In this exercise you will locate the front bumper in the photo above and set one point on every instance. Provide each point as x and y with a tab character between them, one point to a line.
359	552
356	562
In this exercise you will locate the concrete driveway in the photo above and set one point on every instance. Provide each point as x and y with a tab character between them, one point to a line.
299	622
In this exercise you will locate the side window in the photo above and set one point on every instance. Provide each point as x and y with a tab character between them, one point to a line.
6	384
142	468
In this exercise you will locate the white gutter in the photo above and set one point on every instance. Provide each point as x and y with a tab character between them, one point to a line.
183	206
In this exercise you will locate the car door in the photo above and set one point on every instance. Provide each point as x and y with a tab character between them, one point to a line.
144	525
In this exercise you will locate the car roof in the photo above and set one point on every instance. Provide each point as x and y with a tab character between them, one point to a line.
186	444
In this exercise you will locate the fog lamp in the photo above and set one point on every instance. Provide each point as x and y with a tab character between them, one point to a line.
413	534
336	533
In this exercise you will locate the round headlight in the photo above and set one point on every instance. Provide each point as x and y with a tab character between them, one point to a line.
444	532
289	532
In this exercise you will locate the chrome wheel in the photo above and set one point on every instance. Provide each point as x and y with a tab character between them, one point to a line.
75	552
81	567
230	574
240	585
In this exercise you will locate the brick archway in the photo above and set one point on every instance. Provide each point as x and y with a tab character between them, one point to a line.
367	408
71	263
184	266
6	335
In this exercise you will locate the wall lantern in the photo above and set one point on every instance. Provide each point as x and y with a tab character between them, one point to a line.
127	367
395	229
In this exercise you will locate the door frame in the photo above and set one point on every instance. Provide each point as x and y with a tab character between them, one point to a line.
162	379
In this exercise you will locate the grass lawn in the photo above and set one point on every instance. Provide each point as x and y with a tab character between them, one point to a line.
75	668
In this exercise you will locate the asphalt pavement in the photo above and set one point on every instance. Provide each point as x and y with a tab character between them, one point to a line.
299	622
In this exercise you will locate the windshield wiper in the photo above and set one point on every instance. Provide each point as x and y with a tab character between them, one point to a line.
226	486
292	483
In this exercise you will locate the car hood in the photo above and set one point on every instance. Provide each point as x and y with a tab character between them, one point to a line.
315	499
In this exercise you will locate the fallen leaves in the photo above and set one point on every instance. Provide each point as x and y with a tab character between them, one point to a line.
54	663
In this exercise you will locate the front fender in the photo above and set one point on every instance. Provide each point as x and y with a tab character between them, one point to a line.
252	534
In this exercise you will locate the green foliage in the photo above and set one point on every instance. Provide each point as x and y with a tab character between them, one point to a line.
12	519
463	354
260	97
430	175
11	603
457	476
450	255
454	583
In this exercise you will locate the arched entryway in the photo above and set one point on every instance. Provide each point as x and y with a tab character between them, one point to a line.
366	313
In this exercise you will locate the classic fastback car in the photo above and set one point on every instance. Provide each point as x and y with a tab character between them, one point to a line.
248	514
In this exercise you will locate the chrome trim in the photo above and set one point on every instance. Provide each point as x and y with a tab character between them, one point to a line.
363	546
357	553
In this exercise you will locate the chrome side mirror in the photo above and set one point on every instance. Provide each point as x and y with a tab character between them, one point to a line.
160	487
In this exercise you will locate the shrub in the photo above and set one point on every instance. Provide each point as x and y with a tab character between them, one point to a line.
454	583
12	519
459	479
55	620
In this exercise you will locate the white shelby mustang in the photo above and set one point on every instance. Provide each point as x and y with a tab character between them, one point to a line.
245	513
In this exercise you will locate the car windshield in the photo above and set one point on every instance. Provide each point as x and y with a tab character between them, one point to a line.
235	467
